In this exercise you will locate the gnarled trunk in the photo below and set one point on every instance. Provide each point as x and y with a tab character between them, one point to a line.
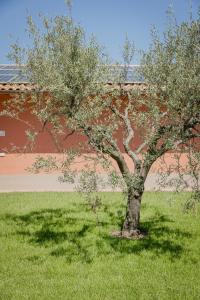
132	219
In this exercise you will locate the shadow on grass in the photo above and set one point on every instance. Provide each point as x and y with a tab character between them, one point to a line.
161	239
53	228
77	238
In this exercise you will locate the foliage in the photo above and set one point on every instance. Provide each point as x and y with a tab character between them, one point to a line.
71	92
183	173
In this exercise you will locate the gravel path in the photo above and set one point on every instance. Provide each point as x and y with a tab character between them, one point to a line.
49	182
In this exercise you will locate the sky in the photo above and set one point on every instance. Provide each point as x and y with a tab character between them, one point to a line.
108	20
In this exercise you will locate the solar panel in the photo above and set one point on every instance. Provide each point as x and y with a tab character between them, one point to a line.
8	72
9	67
12	73
5	78
116	73
126	74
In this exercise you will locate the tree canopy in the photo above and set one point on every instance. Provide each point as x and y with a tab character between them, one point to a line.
165	110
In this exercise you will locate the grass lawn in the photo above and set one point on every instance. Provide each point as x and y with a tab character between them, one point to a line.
52	248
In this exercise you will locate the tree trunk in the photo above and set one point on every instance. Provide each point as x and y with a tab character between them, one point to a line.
132	219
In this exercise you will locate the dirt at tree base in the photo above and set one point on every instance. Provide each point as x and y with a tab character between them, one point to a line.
130	235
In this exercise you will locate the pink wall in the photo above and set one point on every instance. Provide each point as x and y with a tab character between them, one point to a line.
12	164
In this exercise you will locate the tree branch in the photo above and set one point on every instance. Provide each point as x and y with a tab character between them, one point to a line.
111	149
130	136
141	146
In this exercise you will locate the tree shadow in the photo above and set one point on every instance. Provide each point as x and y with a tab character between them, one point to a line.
52	228
160	239
68	234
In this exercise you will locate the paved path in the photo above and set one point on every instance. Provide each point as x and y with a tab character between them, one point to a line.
49	182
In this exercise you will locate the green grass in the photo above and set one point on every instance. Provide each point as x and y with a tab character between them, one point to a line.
52	248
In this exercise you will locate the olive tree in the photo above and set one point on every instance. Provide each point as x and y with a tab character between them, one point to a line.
70	80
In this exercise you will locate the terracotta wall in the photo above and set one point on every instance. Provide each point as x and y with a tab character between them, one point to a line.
16	140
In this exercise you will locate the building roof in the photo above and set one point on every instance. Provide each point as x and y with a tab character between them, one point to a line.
10	87
13	79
